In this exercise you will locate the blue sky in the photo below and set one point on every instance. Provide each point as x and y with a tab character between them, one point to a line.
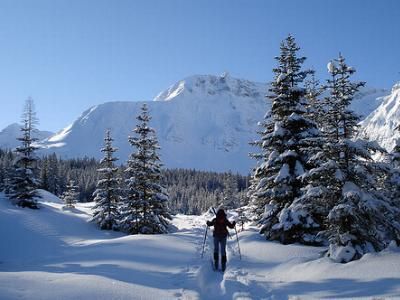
71	54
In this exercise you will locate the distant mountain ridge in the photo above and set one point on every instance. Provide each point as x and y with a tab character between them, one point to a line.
8	136
203	122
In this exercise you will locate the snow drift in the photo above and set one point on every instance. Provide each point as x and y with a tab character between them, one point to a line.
55	254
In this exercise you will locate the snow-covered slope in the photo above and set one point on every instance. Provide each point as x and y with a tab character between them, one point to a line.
55	254
367	100
382	123
202	122
9	135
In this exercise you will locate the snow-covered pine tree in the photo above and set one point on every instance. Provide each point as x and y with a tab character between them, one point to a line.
321	182
288	139
71	195
362	219
107	194
24	182
393	179
145	208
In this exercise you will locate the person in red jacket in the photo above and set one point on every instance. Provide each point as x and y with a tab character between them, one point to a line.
220	222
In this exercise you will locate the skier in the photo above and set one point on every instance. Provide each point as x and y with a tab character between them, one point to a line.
220	234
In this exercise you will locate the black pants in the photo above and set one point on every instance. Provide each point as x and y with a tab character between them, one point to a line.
220	242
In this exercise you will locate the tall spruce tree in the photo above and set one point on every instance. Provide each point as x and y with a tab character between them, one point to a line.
107	194
362	219
24	182
288	139
145	207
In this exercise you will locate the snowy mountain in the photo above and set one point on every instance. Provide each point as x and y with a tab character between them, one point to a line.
367	100
203	122
8	136
382	123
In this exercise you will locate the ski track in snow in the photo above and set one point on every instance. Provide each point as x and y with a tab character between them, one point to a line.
233	283
55	254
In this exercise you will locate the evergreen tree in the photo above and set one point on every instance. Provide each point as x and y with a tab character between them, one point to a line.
44	175
71	195
145	207
393	179
24	182
106	196
190	191
287	141
54	174
362	219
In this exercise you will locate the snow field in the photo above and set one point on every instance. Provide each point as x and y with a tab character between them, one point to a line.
55	254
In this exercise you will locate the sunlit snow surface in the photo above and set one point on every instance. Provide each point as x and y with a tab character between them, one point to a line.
55	254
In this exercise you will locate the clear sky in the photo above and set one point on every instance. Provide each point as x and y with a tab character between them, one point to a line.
71	54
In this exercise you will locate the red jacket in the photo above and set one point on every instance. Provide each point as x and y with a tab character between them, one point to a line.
220	223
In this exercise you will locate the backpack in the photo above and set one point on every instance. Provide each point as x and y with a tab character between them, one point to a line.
220	226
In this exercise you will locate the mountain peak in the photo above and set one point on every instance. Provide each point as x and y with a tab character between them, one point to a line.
14	127
210	85
9	135
396	87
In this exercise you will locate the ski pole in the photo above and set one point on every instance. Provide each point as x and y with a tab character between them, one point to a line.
237	239
213	209
204	242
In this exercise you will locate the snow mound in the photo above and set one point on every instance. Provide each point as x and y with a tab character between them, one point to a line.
54	254
45	196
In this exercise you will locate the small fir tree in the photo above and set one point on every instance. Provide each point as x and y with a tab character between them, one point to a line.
71	195
107	194
145	207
